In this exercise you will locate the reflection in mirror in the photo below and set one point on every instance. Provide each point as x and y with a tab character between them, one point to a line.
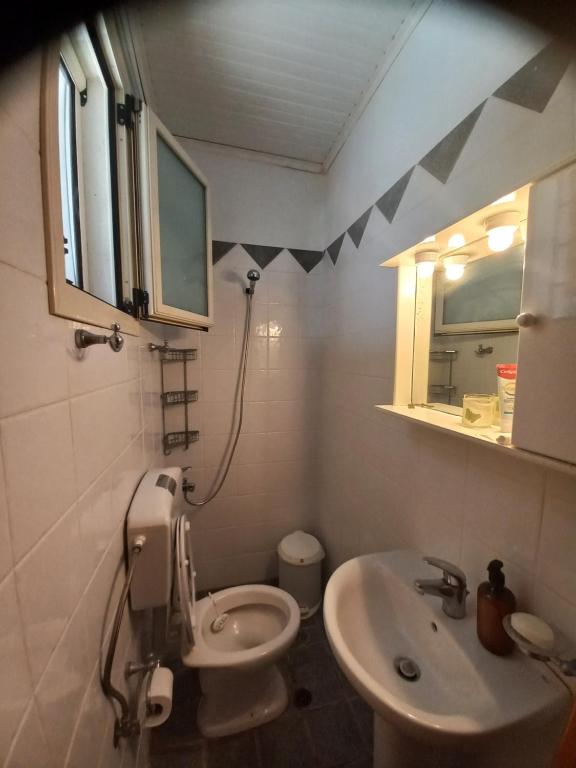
473	326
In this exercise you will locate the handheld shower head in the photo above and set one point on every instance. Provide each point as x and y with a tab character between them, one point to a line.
253	276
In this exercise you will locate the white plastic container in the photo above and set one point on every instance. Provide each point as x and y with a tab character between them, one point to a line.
300	558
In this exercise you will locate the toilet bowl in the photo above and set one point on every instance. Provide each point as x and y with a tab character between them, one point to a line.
234	637
241	685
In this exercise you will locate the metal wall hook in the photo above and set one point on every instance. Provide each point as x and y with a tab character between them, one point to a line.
84	338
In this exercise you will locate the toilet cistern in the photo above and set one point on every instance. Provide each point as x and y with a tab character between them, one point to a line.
451	587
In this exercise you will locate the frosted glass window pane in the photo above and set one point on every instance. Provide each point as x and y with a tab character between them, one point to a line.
182	211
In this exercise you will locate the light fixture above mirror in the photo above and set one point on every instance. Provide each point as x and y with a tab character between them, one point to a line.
501	229
455	265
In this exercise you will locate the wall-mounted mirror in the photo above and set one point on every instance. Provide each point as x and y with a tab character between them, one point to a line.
468	295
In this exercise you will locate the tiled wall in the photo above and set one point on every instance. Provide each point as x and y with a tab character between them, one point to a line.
75	437
386	483
270	487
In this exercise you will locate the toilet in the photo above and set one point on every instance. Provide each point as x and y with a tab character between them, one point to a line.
234	637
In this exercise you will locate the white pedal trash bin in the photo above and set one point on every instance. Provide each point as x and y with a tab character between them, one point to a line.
300	558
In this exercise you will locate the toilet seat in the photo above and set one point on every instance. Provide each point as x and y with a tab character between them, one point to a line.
185	579
263	622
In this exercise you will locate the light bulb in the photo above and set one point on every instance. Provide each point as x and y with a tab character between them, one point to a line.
430	239
456	241
425	268
454	271
501	229
501	238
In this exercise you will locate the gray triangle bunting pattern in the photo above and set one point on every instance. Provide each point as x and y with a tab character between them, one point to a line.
307	259
334	248
356	231
442	158
390	200
219	249
262	254
533	85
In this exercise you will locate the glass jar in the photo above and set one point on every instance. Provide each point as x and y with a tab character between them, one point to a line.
477	411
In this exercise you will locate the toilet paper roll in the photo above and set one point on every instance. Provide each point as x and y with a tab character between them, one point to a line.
159	698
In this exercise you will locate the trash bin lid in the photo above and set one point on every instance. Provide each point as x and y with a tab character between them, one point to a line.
300	548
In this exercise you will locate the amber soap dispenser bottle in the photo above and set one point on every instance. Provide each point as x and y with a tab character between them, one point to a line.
495	601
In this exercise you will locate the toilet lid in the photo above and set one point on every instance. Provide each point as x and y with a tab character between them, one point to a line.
185	578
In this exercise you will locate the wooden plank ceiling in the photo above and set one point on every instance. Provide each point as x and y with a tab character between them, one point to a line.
284	77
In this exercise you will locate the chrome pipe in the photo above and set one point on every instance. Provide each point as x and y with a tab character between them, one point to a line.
125	725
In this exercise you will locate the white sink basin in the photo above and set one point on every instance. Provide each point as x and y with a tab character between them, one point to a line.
373	615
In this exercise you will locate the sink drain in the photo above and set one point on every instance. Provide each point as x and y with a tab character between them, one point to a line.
407	668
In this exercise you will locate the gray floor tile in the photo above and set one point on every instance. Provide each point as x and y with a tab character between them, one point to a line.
191	758
349	692
233	752
306	652
321	679
285	743
335	736
364	718
180	731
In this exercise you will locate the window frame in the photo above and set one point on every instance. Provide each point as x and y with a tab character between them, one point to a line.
66	300
150	127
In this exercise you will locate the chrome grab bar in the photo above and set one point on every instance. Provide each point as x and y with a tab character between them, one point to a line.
125	725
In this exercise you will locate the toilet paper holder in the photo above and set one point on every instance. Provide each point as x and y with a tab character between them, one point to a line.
134	668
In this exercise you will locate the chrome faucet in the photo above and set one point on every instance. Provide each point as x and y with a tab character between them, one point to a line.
451	587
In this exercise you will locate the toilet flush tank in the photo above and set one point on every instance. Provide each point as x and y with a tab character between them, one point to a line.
151	513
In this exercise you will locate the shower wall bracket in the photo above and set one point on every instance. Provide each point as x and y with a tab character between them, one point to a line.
182	397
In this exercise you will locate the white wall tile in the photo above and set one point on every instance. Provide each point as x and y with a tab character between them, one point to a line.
556	560
30	748
39	465
16	683
21	223
49	585
504	505
60	691
103	425
33	345
87	742
5	539
93	368
19	87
